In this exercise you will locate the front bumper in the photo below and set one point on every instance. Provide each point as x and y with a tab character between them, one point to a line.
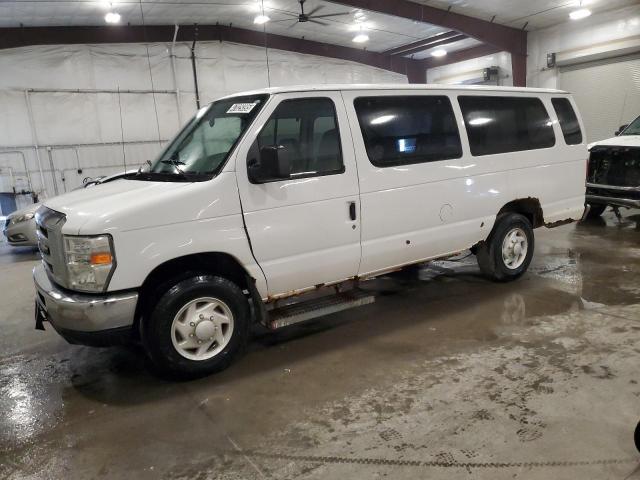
81	318
22	234
613	195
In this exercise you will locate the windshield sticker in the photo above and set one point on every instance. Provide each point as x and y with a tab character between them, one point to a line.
241	107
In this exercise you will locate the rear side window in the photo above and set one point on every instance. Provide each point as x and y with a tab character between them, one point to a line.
506	124
568	121
408	129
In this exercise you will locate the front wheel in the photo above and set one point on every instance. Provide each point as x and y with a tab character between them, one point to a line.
197	327
508	251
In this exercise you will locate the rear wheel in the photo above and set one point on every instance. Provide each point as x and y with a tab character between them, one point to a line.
507	253
596	210
197	327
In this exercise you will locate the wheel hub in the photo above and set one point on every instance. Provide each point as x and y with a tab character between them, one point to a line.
514	248
202	328
205	330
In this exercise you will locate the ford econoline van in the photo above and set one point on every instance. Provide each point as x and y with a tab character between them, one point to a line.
272	206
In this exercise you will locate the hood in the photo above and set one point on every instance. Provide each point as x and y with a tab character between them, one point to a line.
97	207
125	205
28	209
620	141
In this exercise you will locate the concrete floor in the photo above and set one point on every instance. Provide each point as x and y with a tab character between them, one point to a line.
449	376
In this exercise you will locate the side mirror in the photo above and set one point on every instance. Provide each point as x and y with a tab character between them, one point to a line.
271	165
619	131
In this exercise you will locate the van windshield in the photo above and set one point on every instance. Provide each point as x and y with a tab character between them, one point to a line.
201	149
633	128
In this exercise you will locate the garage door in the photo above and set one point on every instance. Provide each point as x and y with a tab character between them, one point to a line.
607	93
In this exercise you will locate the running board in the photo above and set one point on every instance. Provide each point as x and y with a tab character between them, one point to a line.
301	312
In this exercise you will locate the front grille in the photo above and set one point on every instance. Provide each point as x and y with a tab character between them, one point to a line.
50	243
7	222
618	166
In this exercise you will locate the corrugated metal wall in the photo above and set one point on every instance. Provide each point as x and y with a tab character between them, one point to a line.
607	93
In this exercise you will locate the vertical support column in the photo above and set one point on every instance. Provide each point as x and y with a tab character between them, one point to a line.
416	71
519	69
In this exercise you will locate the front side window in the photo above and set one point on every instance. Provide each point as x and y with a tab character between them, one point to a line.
506	124
408	129
306	132
633	128
568	121
204	144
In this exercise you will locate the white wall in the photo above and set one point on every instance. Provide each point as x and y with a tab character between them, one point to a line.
578	37
462	72
70	118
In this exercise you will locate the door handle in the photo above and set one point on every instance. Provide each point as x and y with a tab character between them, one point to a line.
352	211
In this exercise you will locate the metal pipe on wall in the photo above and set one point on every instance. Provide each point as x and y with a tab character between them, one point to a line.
193	65
174	75
34	137
53	171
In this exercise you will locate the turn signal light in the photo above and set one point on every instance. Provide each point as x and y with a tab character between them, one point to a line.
101	258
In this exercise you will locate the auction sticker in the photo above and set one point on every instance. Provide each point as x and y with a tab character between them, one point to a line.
241	107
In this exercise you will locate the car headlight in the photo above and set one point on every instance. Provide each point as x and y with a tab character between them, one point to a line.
90	262
22	218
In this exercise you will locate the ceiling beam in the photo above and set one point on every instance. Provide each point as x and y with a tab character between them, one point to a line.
25	36
427	43
505	38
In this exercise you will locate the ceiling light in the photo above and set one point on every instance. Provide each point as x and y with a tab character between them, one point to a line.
580	14
112	17
261	19
361	38
441	52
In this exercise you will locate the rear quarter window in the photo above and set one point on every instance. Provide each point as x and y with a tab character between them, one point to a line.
506	124
568	121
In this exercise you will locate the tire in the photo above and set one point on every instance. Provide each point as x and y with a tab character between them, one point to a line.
596	210
498	267
636	436
191	314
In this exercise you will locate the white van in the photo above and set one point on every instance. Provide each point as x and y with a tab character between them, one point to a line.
265	198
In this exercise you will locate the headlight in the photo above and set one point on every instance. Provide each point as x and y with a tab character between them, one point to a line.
22	218
90	262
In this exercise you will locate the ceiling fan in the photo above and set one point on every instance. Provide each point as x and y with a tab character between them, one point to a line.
310	16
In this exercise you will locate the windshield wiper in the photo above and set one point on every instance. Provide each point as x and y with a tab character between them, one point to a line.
176	164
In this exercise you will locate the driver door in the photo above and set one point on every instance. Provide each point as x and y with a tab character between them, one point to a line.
305	229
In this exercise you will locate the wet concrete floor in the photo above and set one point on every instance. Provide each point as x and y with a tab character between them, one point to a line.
445	376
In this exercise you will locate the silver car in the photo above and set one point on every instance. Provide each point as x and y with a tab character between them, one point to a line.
20	227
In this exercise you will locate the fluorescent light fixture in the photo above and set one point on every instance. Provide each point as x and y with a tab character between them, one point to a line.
261	19
112	17
480	121
382	119
441	52
580	14
361	38
361	26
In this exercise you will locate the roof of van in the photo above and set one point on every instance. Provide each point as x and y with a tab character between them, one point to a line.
395	86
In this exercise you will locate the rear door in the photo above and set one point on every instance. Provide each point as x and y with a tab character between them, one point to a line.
422	194
305	230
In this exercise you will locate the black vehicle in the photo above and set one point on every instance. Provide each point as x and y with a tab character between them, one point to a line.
613	176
